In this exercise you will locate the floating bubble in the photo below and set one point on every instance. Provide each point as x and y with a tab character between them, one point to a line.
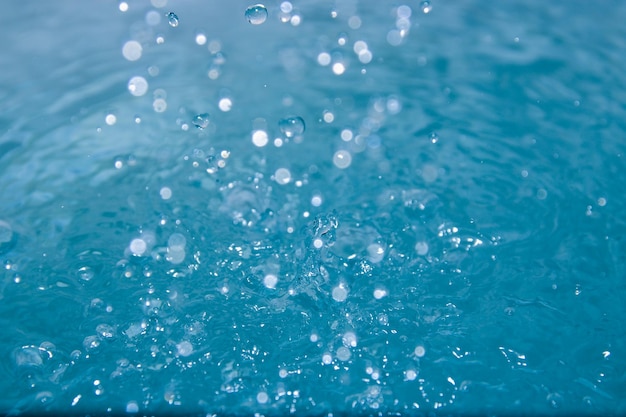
426	6
176	241
262	397
85	273
138	86
270	281
434	137
172	19
225	104
259	138
201	121
256	14
421	248
132	407
342	159
343	353
380	293
292	126
132	50
28	356
340	293
105	331
166	193
138	246
419	351
282	176
410	375
184	348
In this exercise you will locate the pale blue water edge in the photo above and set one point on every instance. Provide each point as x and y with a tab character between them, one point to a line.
446	236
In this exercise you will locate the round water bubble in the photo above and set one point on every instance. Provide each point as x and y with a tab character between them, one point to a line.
138	86
343	354
184	348
282	176
426	6
132	50
201	121
340	293
256	14
176	241
172	19
270	281
292	126
86	273
342	159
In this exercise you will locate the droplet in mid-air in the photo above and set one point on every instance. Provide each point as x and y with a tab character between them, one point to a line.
172	19
426	6
292	126
256	14
201	121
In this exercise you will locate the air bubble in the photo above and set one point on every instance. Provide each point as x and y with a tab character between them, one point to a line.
426	6
172	19
256	14
184	348
132	50
201	121
342	159
138	86
340	293
292	126
282	176
85	273
270	281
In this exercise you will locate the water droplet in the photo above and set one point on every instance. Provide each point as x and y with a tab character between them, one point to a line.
420	351
270	281
172	19
292	126
340	293
342	159
426	6
201	121
138	86
85	273
184	348
282	176
256	14
343	353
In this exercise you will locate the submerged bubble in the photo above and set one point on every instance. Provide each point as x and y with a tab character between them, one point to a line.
172	19
292	126
201	121
256	14
426	6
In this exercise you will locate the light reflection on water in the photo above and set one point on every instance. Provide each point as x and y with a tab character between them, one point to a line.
337	206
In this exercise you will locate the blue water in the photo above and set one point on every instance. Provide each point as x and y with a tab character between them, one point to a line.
349	207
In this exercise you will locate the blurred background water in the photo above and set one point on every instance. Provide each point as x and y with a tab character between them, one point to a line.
343	206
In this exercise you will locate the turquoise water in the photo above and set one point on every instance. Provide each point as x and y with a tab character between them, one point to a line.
341	207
